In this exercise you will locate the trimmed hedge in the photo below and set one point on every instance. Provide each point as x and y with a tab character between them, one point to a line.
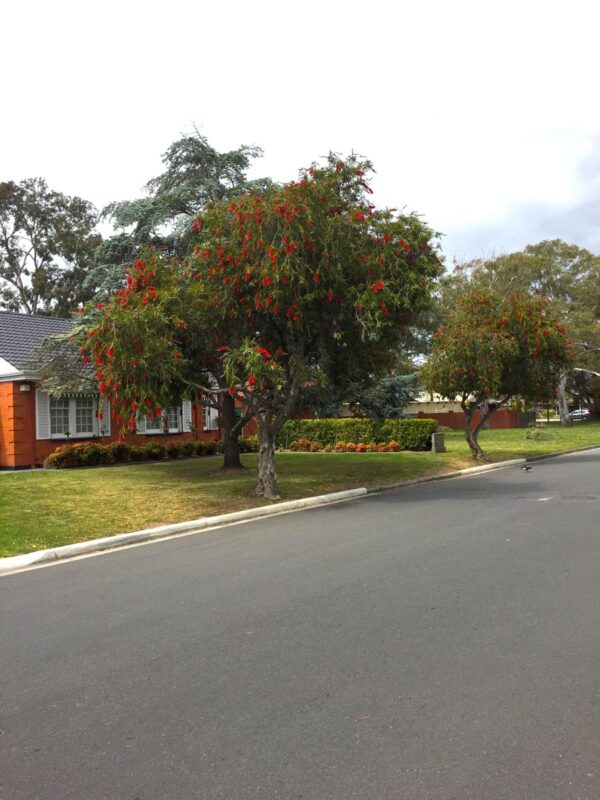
411	434
90	454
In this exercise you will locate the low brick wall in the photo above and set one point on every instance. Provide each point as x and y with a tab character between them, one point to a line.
504	418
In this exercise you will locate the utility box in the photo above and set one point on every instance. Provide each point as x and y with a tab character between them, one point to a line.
437	443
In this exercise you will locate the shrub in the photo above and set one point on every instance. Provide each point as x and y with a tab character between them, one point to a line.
172	449
305	446
120	451
393	446
410	434
340	447
138	453
154	450
248	444
206	447
188	449
372	447
361	447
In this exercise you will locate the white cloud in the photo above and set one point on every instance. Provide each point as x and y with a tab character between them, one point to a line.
475	114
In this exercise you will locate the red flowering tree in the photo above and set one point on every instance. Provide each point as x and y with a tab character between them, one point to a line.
495	350
306	284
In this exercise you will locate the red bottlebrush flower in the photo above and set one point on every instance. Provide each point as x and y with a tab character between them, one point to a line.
177	354
110	352
134	406
247	277
251	380
316	277
264	352
158	412
377	286
148	403
80	310
330	295
231	391
181	324
222	348
86	360
359	216
267	281
100	414
144	301
100	306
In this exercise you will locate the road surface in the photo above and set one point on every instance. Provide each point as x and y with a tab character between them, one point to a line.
438	642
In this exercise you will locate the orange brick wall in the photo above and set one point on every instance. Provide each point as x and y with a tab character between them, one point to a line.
503	418
16	418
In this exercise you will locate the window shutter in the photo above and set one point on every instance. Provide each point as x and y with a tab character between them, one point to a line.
186	415
42	414
106	420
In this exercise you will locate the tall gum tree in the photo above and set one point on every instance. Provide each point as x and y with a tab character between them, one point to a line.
306	284
493	350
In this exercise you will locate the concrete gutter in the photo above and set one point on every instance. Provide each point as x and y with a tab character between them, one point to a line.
40	557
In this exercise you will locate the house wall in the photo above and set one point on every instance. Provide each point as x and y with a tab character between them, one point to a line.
17	412
20	449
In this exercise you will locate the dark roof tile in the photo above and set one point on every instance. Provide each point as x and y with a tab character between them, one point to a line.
21	333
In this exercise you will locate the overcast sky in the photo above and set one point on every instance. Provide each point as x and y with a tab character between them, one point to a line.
481	116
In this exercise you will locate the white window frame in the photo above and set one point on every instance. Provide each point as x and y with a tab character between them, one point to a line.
72	428
211	418
160	431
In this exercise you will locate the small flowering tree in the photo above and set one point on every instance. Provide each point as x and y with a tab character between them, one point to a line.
493	350
304	285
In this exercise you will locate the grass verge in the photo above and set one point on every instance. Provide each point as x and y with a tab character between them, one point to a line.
44	509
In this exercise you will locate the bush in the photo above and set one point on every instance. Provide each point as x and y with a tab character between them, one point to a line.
172	449
154	450
248	444
409	434
138	453
206	447
305	446
120	452
188	449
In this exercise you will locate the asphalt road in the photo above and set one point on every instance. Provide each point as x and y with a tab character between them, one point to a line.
440	642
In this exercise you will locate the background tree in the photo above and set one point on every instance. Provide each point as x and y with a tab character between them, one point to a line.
195	174
309	284
566	275
493	350
47	244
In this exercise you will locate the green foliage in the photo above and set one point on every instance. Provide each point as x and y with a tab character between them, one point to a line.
248	444
47	242
304	283
410	434
195	174
386	398
155	450
188	449
496	349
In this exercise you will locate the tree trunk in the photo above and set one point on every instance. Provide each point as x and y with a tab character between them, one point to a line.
563	407
231	432
471	433
267	477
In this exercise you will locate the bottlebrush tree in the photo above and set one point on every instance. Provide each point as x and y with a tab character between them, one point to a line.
494	350
306	284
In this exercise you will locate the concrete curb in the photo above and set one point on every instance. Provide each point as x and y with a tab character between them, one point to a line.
445	475
15	563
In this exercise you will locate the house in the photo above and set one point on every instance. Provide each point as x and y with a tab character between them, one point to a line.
33	424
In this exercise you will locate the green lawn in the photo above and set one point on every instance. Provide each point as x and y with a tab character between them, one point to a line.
49	508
